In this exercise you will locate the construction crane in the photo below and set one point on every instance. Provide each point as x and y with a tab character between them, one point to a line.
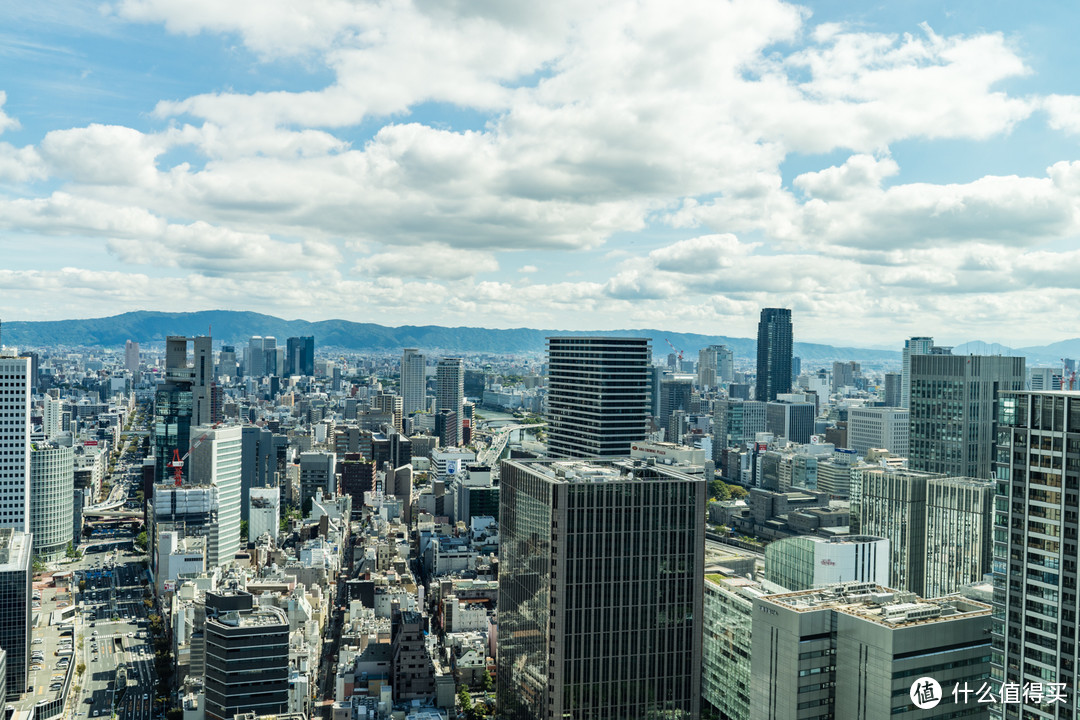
677	350
177	463
1067	374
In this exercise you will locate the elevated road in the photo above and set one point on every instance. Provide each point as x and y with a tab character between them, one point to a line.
500	437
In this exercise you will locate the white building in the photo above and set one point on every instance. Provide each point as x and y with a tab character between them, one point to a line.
807	562
264	512
52	492
447	464
52	417
15	441
178	556
878	427
413	381
216	462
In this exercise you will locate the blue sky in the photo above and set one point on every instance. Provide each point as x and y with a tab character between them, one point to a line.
886	171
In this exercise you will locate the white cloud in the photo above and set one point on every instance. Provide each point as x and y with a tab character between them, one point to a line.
428	261
6	121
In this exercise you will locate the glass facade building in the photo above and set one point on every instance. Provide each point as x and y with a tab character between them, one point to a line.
598	395
600	591
729	620
15	593
774	347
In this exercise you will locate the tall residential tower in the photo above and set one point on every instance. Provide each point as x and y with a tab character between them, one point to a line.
774	346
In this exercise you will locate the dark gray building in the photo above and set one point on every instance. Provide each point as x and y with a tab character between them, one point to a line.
1035	547
16	551
675	394
300	356
854	650
774	345
263	455
794	421
598	395
600	591
891	394
954	410
317	471
247	657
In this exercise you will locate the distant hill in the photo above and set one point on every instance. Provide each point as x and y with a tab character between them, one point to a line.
235	327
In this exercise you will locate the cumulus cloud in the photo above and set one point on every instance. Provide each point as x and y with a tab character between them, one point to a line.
429	261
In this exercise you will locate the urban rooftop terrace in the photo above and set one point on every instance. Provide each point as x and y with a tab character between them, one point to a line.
881	605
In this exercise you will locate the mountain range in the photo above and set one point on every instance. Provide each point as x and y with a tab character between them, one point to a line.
236	327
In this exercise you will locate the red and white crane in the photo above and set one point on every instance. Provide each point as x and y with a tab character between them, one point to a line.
677	350
177	463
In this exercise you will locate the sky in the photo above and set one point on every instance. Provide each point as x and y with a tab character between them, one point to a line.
884	170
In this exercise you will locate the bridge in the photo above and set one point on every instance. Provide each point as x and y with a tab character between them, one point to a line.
131	514
489	455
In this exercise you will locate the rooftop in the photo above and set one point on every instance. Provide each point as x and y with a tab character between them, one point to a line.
881	605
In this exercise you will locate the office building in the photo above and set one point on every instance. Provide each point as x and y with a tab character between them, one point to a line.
845	374
52	492
414	382
912	346
774	345
392	405
598	395
264	513
675	393
891	393
892	505
264	454
584	557
878	427
247	657
216	462
954	410
15	446
853	651
807	562
959	533
1035	547
260	357
300	356
227	366
791	420
316	473
450	390
131	357
715	366
52	420
725	672
15	610
182	401
736	423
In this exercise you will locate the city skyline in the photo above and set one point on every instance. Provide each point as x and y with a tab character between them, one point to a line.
910	170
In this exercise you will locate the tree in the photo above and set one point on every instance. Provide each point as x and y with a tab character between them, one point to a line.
243	532
80	668
738	492
465	700
82	586
142	540
486	682
719	489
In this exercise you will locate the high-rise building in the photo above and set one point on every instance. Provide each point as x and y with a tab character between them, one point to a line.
891	393
247	657
729	621
791	420
590	573
52	489
183	400
878	427
938	527
216	461
1035	548
260	451
844	374
16	551
414	382
15	441
715	366
736	423
774	345
317	473
52	420
598	395
227	362
855	650
264	512
675	394
954	410
300	356
131	357
807	562
912	346
959	533
390	404
450	389
260	356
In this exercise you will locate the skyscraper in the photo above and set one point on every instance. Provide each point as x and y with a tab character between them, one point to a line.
598	395
675	393
52	489
300	356
774	345
227	362
131	357
600	602
15	440
261	356
216	462
1035	547
715	367
414	381
15	609
912	346
891	394
450	389
954	409
183	399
